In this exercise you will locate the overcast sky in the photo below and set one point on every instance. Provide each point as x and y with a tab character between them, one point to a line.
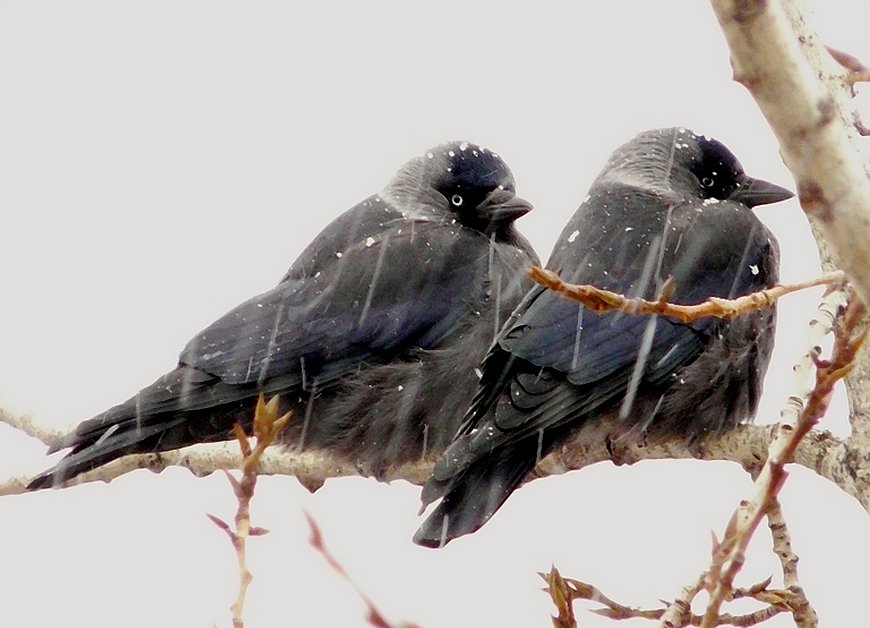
161	162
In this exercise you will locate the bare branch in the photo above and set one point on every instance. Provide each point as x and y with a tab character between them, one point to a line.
678	613
729	556
843	462
26	424
375	618
805	97
802	611
267	424
599	300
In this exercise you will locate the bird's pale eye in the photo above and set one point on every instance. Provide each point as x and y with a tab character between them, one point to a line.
707	182
456	199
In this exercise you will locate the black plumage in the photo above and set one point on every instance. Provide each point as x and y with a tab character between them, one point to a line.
668	204
371	338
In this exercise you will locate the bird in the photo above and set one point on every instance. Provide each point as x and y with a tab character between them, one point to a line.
669	204
370	339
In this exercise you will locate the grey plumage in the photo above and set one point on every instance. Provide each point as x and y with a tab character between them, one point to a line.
669	203
371	338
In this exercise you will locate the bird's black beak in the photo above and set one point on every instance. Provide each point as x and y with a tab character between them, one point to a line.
754	192
507	210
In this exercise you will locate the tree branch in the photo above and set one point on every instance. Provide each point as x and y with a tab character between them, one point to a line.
599	300
802	611
267	425
845	462
803	93
729	555
25	423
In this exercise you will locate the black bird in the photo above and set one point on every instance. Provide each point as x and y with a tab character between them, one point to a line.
371	338
669	203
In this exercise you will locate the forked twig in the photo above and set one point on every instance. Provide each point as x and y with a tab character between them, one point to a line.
267	425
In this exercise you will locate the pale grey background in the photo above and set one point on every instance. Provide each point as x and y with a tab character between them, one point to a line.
162	161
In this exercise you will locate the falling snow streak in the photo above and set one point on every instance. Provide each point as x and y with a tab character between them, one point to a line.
309	410
650	329
494	278
577	331
652	415
639	364
139	408
377	272
640	287
183	394
739	273
665	230
653	258
670	165
270	348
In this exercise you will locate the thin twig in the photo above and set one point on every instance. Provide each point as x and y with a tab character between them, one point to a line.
26	424
730	555
599	300
564	591
267	424
375	618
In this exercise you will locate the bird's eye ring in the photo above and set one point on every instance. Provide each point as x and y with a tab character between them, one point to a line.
456	199
707	182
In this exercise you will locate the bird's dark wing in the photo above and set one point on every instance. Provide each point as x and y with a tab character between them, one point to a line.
366	219
409	286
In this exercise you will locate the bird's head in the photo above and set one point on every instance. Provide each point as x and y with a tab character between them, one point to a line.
713	172
719	175
681	161
460	181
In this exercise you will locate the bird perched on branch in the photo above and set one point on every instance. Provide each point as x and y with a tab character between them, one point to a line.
668	204
371	338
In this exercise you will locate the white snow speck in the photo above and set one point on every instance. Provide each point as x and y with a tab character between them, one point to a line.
369	241
317	274
710	201
451	153
430	155
478	372
338	253
463	146
573	236
753	269
627	229
401	388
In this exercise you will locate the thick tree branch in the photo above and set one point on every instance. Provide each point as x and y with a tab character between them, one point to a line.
846	463
803	94
802	611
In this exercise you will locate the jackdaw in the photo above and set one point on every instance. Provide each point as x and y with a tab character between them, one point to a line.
668	204
371	338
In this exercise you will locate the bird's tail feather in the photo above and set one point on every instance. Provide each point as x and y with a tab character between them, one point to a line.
474	496
183	407
113	444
